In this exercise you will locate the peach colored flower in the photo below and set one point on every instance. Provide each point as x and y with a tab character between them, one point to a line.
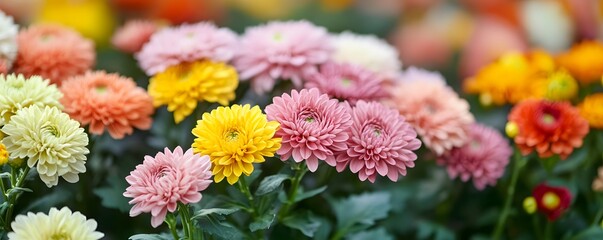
133	35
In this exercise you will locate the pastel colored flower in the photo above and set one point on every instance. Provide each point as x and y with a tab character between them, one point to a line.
381	143
17	92
161	182
281	50
366	51
549	128
584	61
347	82
591	109
52	142
235	138
107	102
414	40
182	86
133	35
8	42
53	52
482	159
552	201
437	113
186	43
313	127
58	224
547	24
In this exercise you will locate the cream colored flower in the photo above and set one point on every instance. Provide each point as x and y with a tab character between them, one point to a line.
8	40
17	92
52	142
58	224
366	51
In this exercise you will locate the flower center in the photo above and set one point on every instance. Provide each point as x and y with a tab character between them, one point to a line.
60	236
100	89
232	135
346	82
475	145
377	132
46	38
52	130
309	119
277	37
548	118
550	200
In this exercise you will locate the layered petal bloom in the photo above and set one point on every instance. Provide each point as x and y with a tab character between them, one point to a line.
437	113
584	61
559	86
281	50
186	43
591	109
482	159
182	86
552	201
107	102
17	92
133	35
53	52
313	127
52	142
549	128
381	142
3	154
235	138
161	182
58	224
8	42
366	51
347	82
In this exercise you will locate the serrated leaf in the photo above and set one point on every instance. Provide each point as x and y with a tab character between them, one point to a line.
270	184
220	230
361	211
112	195
219	211
305	222
305	195
263	222
149	237
375	234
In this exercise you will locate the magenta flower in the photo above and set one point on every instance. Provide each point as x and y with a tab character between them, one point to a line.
347	82
483	159
281	50
313	127
381	143
186	43
159	183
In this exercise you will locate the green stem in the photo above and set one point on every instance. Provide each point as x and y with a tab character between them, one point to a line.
537	228
186	221
598	217
244	188
301	170
339	234
548	230
518	164
3	188
171	222
12	199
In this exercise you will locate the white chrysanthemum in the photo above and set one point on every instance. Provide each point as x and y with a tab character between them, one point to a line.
367	51
52	142
8	39
17	92
58	224
547	25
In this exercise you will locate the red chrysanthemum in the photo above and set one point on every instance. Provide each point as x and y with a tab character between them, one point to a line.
552	201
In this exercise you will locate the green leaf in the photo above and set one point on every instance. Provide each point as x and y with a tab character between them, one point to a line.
323	231
219	230
573	161
150	237
550	163
305	222
305	195
54	198
361	211
430	230
270	184
219	211
112	195
590	233
263	222
375	234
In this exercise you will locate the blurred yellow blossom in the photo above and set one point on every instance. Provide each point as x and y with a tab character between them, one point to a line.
560	86
591	109
584	61
529	205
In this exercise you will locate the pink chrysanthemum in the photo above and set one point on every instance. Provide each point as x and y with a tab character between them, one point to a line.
160	182
53	52
133	35
439	116
281	50
186	43
312	126
107	102
381	143
483	158
347	82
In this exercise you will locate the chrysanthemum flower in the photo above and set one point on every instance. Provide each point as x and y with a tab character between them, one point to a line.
592	109
52	142
281	50
560	86
8	42
313	127
347	82
186	43
367	51
107	102
161	182
598	181
438	114
58	224
549	128
53	52
380	142
133	35
234	138
17	92
180	87
584	61
552	201
483	158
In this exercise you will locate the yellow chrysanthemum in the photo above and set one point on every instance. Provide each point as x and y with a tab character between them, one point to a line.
182	86
17	92
52	142
584	61
592	111
560	86
234	138
3	154
58	224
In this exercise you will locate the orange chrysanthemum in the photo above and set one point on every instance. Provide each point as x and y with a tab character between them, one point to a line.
591	109
549	128
584	61
107	101
53	52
